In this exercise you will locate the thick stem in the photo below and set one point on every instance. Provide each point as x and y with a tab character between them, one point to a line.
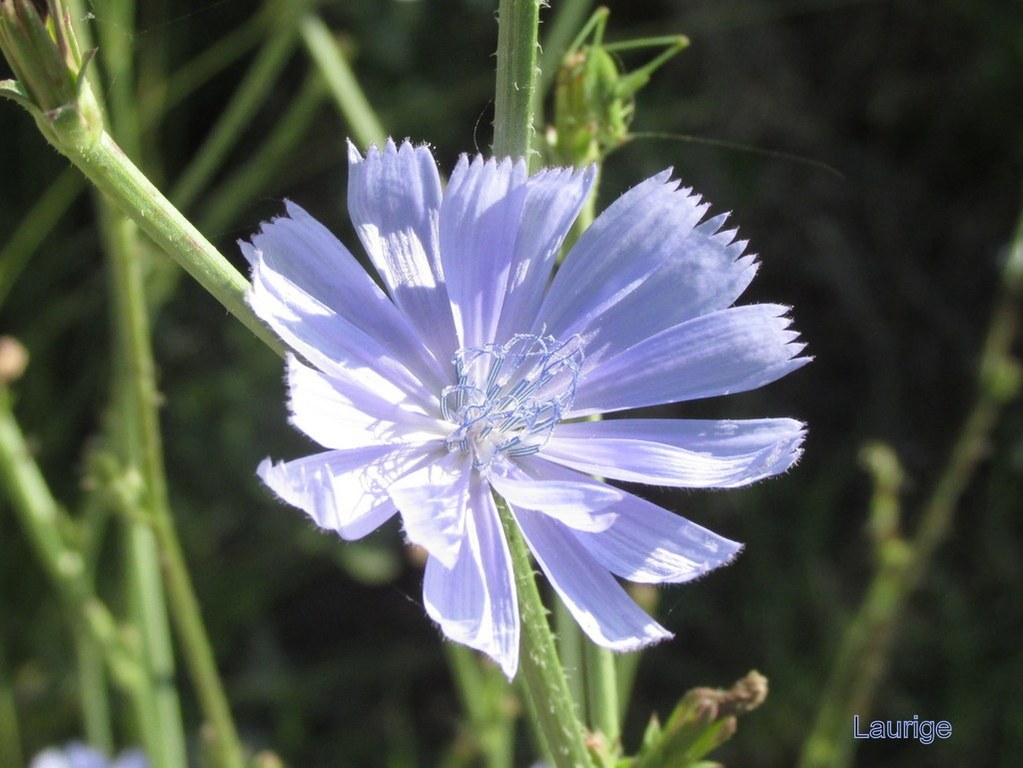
539	662
518	21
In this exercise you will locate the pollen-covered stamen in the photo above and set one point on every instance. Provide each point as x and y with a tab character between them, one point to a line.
509	397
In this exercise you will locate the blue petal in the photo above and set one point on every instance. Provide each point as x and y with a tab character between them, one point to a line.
474	600
599	604
700	272
553	200
729	351
394	199
344	491
651	545
75	755
362	409
636	235
577	501
479	221
432	500
676	452
316	296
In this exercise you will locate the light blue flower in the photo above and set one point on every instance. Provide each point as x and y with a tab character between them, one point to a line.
469	374
76	755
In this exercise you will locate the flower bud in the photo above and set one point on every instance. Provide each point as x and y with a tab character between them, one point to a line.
44	54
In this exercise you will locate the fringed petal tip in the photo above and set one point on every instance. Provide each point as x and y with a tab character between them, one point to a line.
391	147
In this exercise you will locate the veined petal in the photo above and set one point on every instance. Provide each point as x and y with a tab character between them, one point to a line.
364	409
394	199
677	452
733	350
621	249
474	600
705	271
327	340
307	285
651	545
552	202
433	500
603	609
479	221
344	491
576	500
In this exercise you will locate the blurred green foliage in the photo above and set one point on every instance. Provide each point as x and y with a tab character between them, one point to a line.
891	270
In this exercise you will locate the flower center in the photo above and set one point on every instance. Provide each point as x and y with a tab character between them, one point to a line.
509	397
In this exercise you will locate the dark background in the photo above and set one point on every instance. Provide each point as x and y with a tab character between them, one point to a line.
890	258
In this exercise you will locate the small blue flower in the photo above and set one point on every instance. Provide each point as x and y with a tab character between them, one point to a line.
76	755
473	374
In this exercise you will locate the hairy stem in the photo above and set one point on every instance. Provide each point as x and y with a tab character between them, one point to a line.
541	668
518	21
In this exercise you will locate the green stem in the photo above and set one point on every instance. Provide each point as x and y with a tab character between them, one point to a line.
348	96
540	666
489	706
570	639
543	752
518	21
598	668
92	691
40	518
602	692
116	41
134	397
160	542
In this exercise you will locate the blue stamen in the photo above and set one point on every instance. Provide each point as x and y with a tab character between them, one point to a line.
495	402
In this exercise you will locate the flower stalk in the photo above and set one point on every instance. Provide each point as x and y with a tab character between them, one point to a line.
541	668
517	42
543	674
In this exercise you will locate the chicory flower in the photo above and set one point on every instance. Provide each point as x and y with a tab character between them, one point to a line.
473	371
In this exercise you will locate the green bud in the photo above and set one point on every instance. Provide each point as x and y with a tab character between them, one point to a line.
703	720
50	69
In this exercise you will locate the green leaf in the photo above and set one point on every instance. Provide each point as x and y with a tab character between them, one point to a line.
14	91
